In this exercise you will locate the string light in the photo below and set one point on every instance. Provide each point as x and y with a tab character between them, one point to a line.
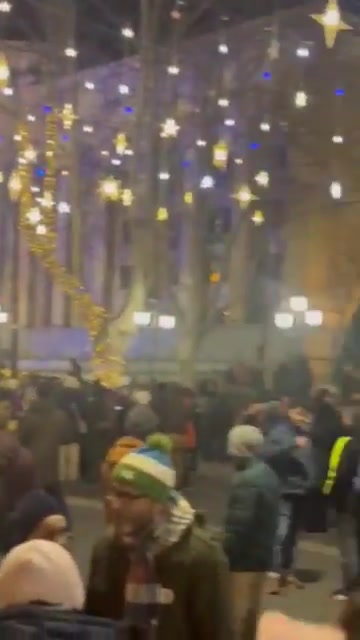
30	154
30	118
34	215
116	162
244	196
109	189
265	126
70	52
301	99
68	116
162	214
331	22
128	32
207	182
164	175
220	155
336	190
8	91
4	72
89	85
223	102
303	52
337	139
41	230
88	128
5	7
229	122
169	128
262	179
201	143
188	197
223	48
239	161
15	185
120	143
123	89
173	70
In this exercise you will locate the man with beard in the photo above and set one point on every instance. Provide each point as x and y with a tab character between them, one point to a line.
159	571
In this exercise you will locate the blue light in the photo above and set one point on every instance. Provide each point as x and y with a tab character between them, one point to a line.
254	146
40	172
267	75
339	92
65	137
47	108
186	163
128	110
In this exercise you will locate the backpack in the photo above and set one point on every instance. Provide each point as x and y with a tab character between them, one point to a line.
48	623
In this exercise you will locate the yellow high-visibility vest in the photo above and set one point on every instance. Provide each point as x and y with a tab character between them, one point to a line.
334	462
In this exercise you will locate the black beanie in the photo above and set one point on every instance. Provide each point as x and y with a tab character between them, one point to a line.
32	509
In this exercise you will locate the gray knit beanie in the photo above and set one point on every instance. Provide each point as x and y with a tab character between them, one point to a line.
244	440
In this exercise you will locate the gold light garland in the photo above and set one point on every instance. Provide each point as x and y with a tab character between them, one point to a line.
43	246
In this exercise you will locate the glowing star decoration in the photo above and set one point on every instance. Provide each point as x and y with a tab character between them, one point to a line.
331	22
162	214
207	182
34	215
301	99
109	190
67	116
5	7
338	139
120	143
127	197
14	186
244	196
220	155
4	72
47	201
188	197
262	179
169	128
64	208
258	218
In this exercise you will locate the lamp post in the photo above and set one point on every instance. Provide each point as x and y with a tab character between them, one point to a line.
154	320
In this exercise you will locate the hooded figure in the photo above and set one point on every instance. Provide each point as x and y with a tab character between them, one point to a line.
159	571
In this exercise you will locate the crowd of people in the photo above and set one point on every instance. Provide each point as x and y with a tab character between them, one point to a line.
159	570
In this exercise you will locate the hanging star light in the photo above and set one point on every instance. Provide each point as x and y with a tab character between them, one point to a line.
47	201
188	197
262	178
332	22
67	116
34	215
30	154
127	197
162	214
244	196
220	154
258	218
4	72
120	143
169	128
14	186
109	189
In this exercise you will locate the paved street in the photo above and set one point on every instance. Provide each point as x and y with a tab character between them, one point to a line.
209	494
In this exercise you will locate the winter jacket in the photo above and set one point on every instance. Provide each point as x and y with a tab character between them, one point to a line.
251	517
17	472
194	569
294	465
42	431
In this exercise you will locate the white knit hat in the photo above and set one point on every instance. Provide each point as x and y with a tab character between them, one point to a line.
40	571
244	439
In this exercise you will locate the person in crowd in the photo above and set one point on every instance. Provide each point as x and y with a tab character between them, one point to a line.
288	451
17	471
122	447
40	571
37	516
159	571
250	526
141	420
42	431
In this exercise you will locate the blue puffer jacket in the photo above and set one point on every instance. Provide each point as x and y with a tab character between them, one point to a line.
294	465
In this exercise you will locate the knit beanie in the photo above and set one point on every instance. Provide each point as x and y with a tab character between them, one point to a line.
244	439
30	511
40	571
149	470
121	448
